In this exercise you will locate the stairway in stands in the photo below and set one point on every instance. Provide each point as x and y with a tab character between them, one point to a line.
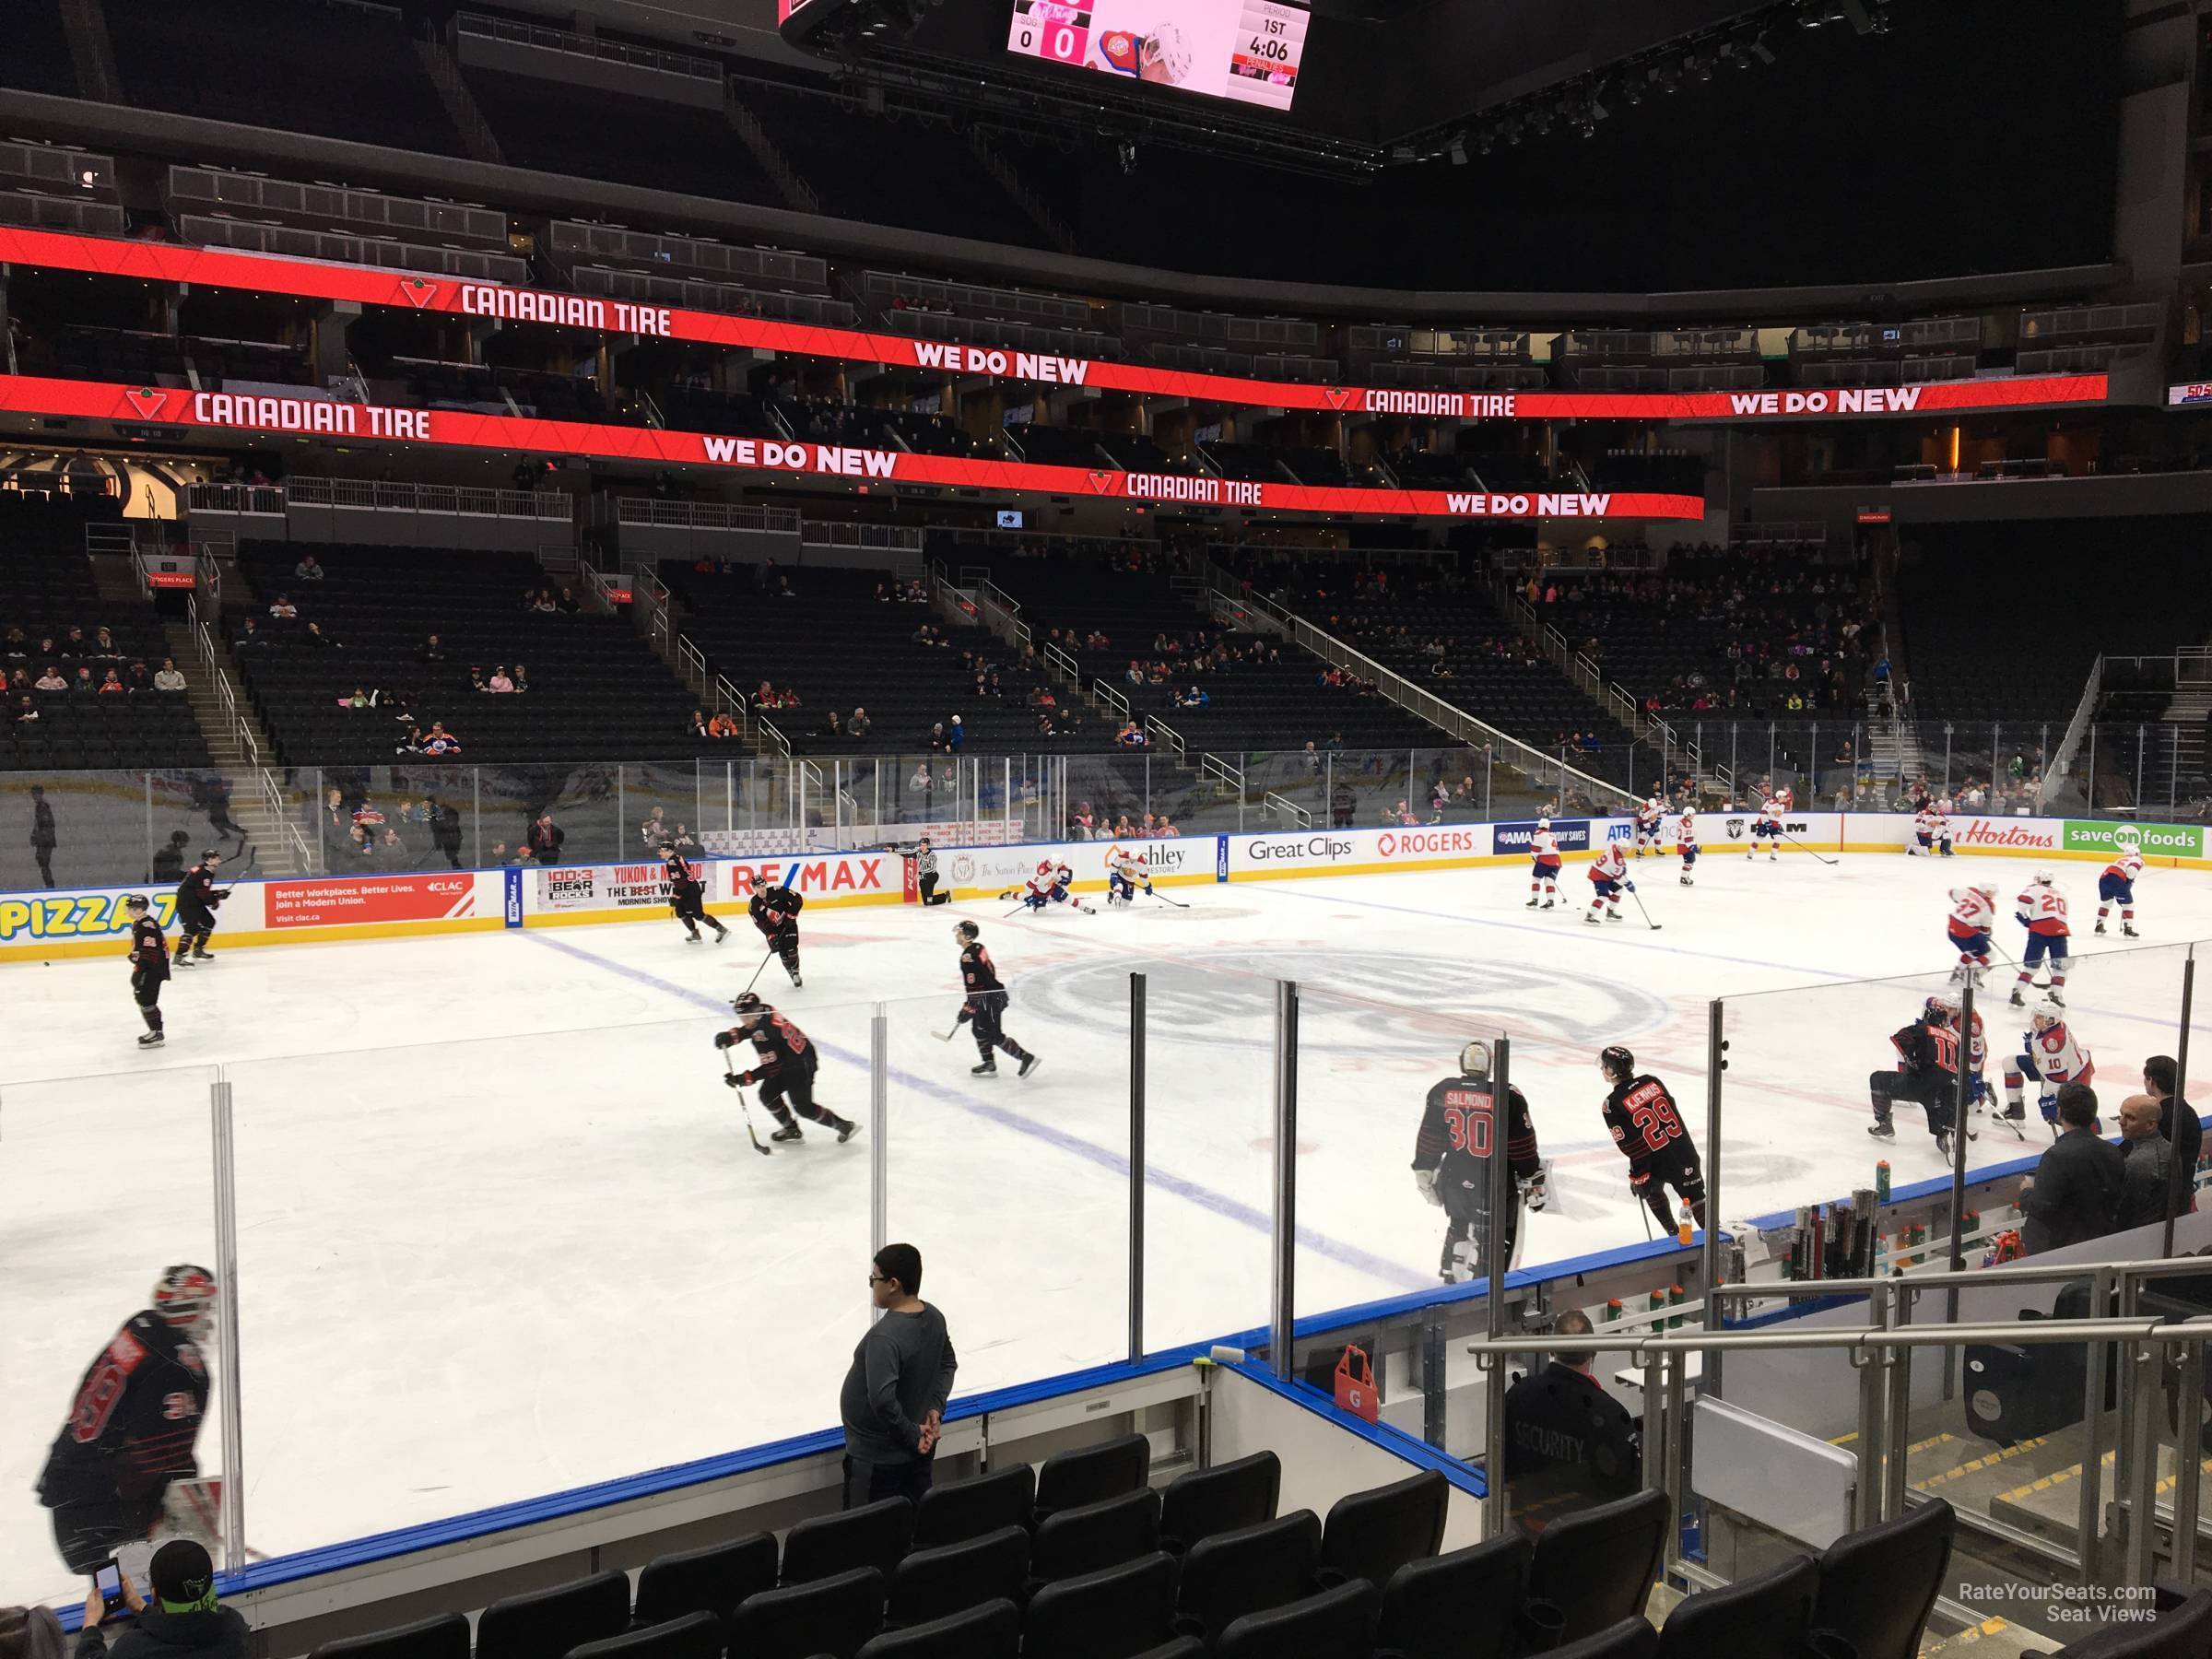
229	725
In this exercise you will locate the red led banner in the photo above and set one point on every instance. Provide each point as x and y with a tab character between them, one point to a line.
264	273
384	423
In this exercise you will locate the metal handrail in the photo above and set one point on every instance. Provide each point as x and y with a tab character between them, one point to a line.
769	732
1171	739
1109	697
2029	1333
1289	808
1446	717
2059	766
2017	1272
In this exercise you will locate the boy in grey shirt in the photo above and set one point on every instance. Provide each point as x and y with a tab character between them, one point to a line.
893	1400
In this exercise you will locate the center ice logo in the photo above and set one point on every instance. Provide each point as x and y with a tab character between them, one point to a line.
1359	1004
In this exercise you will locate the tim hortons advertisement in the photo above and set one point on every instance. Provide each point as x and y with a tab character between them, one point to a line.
260	272
1970	834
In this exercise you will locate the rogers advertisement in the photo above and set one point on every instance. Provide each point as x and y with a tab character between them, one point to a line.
350	899
362	284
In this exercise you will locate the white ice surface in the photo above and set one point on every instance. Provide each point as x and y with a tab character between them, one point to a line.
501	1231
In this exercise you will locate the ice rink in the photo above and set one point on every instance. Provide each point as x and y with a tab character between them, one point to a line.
501	1232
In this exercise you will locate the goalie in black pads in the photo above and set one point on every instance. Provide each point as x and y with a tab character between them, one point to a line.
196	898
132	1428
775	912
985	1010
688	895
1451	1162
1648	1130
1926	1073
783	1066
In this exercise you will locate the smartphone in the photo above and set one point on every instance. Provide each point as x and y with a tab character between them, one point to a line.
108	1575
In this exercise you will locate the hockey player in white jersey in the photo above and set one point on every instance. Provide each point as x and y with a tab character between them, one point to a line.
1766	825
1608	875
1685	844
1931	833
1053	884
1973	916
1544	866
2052	1055
2117	886
1125	873
1648	825
2041	909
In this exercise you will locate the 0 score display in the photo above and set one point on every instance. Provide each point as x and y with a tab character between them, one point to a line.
1248	50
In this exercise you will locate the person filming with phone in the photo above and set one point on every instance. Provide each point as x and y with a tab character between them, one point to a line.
183	1619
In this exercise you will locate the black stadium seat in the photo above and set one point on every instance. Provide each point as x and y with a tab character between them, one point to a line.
990	1631
1877	1584
930	1584
1770	1614
1090	1474
443	1637
1230	1575
832	1616
1370	1534
966	1508
713	1579
1425	1604
1095	1537
1627	1639
1117	1614
875	1535
1222	1499
1335	1624
1598	1565
694	1636
545	1624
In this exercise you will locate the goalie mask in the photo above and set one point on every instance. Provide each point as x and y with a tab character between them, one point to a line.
185	1296
1475	1060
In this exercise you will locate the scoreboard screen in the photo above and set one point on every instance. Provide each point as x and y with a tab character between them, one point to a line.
1247	49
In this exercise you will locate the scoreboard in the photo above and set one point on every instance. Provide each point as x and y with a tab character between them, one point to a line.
1246	50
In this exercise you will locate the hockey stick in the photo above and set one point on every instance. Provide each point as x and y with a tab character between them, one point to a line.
1646	913
764	962
948	1036
730	1069
1165	899
1793	841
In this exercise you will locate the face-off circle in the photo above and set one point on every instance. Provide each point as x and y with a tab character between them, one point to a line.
1356	1002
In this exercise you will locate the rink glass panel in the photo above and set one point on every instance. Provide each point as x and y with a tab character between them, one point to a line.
110	828
1366	1061
477	1272
1015	1189
105	1180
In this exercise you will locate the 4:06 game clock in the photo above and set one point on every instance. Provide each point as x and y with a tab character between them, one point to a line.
1246	50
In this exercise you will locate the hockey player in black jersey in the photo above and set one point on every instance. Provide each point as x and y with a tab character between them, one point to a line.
775	912
1648	1130
196	898
1926	1074
150	967
783	1064
1451	1162
985	1010
132	1425
688	894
